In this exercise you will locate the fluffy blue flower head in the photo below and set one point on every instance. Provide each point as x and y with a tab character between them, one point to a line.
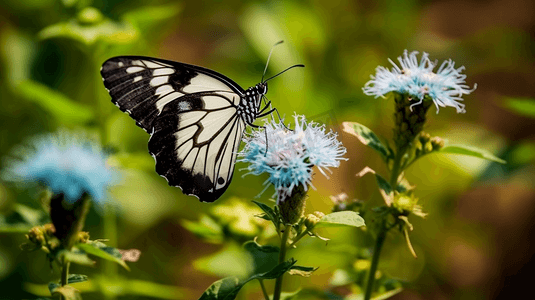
65	163
291	155
445	87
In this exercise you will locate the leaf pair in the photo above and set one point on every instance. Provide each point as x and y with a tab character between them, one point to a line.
370	139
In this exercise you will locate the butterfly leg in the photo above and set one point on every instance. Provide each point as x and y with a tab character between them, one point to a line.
261	114
265	132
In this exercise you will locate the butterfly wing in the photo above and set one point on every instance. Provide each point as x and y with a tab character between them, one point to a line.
191	114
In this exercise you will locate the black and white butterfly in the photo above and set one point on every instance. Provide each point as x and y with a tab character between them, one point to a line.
195	116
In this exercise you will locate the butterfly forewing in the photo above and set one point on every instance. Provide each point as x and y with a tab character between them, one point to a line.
191	114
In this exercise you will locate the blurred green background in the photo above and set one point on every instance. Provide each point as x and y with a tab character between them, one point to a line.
476	242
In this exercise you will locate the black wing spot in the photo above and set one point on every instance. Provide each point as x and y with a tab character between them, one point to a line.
220	180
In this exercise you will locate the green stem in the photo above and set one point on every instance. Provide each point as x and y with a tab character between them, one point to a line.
297	238
64	274
110	232
282	257
375	261
396	169
264	291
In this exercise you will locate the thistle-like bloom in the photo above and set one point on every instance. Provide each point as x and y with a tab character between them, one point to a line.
66	163
291	154
445	87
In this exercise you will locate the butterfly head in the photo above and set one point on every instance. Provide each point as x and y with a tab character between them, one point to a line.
262	88
259	91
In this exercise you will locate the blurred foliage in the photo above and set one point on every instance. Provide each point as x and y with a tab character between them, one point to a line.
476	241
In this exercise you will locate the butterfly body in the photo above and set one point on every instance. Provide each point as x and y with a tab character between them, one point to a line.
195	116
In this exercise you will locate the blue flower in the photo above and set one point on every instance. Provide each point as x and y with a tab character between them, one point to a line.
291	154
65	163
445	87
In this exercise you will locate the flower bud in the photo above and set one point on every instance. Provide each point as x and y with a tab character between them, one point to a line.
83	237
311	221
428	147
437	143
292	208
36	235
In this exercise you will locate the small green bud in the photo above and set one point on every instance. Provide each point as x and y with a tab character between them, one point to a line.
311	221
403	202
36	235
437	143
319	214
418	145
49	229
89	15
83	237
428	147
424	137
406	204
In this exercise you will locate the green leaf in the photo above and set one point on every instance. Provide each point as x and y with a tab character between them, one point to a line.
228	288
102	29
120	287
302	271
55	103
316	293
368	138
206	228
387	294
471	151
276	272
522	106
68	293
100	250
148	18
75	257
232	260
224	289
383	184
73	278
270	213
341	218
384	187
264	257
21	219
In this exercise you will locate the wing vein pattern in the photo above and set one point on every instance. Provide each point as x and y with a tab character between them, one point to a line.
191	114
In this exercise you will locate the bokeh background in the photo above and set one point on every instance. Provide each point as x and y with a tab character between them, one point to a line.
477	241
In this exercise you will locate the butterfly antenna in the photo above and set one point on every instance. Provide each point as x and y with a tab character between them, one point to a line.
269	56
299	65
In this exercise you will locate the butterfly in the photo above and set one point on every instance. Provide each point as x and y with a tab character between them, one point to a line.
195	117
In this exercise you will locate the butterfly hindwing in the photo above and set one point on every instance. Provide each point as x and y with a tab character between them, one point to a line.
191	114
196	149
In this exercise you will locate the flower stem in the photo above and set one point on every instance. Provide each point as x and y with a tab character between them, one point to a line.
396	168
264	291
375	260
282	257
64	274
297	238
110	231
